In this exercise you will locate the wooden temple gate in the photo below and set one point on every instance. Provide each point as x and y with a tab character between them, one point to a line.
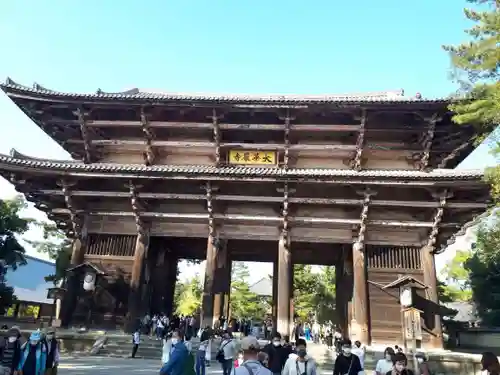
361	182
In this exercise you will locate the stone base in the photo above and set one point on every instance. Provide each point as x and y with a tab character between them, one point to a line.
56	323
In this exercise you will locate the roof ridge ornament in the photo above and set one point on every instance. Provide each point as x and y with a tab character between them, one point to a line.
133	91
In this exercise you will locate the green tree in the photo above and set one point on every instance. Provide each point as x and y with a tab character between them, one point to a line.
456	285
306	285
244	303
326	295
484	271
57	246
188	296
12	252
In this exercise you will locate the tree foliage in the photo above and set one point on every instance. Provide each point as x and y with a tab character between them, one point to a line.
188	296
314	293
484	273
57	246
456	285
477	67
11	251
244	303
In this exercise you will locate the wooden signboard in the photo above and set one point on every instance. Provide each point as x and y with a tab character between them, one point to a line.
252	157
412	323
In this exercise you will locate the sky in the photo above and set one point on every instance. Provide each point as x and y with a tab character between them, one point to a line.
222	46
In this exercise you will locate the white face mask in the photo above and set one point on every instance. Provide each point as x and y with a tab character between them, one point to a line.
175	341
388	357
399	368
346	351
34	342
276	343
420	360
50	337
12	339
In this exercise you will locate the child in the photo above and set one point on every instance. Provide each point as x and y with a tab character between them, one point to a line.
136	340
52	353
239	360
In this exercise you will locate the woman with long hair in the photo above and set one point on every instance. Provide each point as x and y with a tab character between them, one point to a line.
489	361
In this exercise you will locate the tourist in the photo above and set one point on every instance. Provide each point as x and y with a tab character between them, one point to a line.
329	339
136	340
300	363
400	362
263	359
178	357
347	363
33	356
250	365
166	349
225	354
201	353
239	359
278	354
10	352
489	362
52	352
338	340
359	350
423	366
385	364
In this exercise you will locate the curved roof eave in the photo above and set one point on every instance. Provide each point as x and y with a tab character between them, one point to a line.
13	89
24	163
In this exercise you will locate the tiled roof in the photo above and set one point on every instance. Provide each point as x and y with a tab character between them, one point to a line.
236	171
389	97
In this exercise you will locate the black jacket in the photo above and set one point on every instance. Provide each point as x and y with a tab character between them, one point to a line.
277	356
347	365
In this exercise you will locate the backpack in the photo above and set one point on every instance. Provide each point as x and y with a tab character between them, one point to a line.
220	353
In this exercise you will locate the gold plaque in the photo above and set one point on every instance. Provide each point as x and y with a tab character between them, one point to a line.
251	157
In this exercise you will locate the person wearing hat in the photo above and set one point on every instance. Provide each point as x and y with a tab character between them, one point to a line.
33	356
251	364
52	346
10	352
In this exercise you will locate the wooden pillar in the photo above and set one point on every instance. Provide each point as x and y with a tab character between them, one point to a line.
226	308
73	280
135	306
360	321
221	280
292	306
430	280
341	298
284	281
170	279
275	295
207	306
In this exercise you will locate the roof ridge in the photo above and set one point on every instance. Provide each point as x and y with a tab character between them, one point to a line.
234	170
385	96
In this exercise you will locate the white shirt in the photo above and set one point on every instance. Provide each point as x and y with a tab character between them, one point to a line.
360	352
383	366
228	348
136	338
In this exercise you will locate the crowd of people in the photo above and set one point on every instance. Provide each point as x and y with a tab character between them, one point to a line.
38	354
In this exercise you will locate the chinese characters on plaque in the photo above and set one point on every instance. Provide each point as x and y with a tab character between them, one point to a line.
250	157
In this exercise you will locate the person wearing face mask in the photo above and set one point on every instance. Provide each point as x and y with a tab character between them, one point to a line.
226	353
250	365
277	353
347	363
52	346
385	364
238	361
33	356
422	364
10	352
300	363
400	362
178	358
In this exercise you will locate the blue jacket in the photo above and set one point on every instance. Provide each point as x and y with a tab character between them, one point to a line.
41	357
177	360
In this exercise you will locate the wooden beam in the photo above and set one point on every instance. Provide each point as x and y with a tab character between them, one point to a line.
209	125
267	199
356	163
87	143
246	146
149	154
261	218
216	136
286	138
428	140
452	155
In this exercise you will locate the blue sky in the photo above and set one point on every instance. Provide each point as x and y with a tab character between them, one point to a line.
295	47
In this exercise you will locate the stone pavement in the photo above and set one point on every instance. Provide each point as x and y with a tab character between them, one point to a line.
124	366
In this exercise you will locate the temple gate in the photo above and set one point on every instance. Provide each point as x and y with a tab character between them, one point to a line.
362	182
